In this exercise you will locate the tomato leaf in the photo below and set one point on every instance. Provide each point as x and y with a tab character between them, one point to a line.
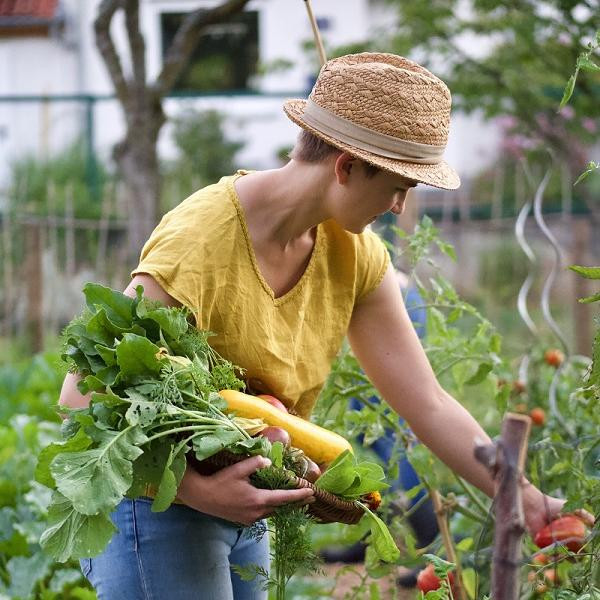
482	372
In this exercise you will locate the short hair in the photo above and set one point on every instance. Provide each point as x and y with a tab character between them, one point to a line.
312	149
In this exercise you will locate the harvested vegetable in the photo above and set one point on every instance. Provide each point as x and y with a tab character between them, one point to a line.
276	434
156	401
320	445
568	530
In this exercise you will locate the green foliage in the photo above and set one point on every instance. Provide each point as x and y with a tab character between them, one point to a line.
42	187
31	386
205	153
465	351
350	479
25	570
543	39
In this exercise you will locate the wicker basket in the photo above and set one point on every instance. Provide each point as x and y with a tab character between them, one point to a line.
327	508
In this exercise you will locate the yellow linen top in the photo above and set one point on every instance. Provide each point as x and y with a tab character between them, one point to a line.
201	255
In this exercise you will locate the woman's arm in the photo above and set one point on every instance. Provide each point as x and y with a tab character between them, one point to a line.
386	345
227	494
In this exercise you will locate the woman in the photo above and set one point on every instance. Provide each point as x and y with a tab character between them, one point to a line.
282	266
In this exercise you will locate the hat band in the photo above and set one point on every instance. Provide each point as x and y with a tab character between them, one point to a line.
363	138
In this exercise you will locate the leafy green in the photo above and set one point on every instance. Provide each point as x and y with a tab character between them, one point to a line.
154	381
381	538
349	479
149	407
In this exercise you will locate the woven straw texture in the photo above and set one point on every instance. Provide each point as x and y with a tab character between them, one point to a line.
327	508
387	94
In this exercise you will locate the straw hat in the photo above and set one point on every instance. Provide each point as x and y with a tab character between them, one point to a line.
385	110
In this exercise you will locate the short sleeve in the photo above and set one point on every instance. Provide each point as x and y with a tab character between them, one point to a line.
373	261
167	256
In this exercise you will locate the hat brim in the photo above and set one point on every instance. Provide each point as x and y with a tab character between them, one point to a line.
440	175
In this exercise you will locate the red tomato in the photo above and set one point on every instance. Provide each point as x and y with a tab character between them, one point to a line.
273	401
427	580
569	527
538	415
554	357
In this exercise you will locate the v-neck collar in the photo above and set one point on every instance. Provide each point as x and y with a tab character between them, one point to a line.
277	301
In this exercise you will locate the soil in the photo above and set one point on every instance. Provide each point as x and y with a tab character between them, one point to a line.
349	579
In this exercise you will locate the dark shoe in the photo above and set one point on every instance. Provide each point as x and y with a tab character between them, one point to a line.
349	554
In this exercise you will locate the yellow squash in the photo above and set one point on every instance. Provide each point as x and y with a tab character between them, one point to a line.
319	444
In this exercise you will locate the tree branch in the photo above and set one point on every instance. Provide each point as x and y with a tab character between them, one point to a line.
137	45
107	48
183	45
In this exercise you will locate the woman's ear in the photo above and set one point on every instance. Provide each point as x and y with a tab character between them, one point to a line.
344	164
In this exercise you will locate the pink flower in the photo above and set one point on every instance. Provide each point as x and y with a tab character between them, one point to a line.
564	39
567	112
506	121
589	124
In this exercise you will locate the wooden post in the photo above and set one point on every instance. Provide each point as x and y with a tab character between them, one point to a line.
8	272
505	460
103	234
55	300
69	233
35	285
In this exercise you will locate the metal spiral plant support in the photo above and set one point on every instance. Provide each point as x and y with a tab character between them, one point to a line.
545	299
524	291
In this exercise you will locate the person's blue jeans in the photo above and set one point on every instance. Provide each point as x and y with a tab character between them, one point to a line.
178	554
383	448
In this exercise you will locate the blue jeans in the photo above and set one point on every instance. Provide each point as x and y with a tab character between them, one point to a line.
179	554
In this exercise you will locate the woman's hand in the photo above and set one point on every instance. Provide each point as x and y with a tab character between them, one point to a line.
540	509
228	494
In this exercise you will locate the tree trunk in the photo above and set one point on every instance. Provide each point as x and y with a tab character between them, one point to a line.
140	170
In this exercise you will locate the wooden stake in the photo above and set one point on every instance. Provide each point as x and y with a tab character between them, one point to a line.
35	287
69	233
442	521
8	272
316	33
505	460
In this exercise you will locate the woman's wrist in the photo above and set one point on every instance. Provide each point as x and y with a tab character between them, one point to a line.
190	490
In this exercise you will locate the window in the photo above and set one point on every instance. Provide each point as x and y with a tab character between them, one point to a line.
225	58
